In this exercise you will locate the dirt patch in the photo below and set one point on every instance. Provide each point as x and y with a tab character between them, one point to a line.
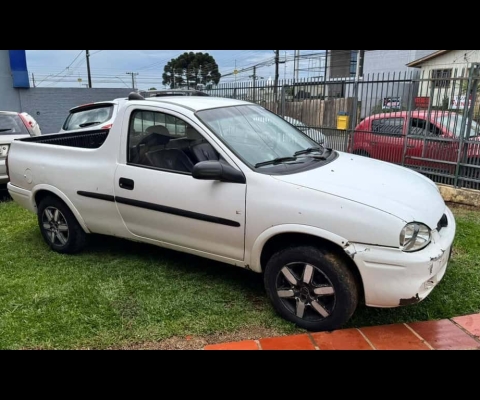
199	342
461	207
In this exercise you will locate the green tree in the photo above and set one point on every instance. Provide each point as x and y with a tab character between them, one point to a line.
191	69
153	88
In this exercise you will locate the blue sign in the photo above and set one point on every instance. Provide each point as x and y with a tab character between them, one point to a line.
18	65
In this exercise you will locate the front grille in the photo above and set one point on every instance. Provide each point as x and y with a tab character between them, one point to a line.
443	223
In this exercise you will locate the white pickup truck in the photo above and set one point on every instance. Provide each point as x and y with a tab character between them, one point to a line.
230	181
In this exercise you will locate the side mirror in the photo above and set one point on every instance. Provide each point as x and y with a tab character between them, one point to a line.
216	171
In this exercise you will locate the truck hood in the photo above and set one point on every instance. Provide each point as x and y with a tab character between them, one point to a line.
387	187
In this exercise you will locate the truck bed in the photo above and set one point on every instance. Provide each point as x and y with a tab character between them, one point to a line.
86	140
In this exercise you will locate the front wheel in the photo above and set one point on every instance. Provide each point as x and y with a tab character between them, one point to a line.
312	288
59	227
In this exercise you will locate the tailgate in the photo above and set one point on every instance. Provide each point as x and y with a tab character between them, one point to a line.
5	141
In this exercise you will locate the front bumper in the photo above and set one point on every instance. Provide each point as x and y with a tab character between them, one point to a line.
393	278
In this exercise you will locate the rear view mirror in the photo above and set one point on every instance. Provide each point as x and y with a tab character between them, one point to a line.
216	171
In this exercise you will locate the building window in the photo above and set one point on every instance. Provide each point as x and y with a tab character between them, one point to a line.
439	76
353	62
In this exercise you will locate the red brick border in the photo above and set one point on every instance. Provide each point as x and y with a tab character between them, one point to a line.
460	333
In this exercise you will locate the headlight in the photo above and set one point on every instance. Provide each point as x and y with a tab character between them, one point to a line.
414	236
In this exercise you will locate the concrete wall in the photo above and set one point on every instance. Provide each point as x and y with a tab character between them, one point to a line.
49	106
9	97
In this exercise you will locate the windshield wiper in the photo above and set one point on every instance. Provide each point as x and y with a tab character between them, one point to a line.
6	130
309	150
89	124
275	161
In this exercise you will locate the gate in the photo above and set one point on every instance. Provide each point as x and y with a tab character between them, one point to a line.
423	121
442	139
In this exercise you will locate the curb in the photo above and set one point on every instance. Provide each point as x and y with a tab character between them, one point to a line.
459	333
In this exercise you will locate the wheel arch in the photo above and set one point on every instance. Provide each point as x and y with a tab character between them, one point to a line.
42	191
282	236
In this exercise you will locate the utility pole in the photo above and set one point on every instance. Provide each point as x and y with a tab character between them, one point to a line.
358	74
296	67
254	76
325	73
33	80
277	62
360	61
133	74
87	53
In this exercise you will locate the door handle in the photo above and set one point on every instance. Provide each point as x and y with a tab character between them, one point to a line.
127	184
410	147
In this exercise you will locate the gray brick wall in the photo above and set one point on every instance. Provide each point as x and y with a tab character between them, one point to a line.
49	106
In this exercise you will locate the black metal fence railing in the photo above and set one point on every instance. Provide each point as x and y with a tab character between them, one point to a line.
428	121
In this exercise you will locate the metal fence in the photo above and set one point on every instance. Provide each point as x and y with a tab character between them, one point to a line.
424	120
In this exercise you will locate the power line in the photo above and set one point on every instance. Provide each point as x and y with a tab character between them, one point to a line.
133	74
308	57
66	68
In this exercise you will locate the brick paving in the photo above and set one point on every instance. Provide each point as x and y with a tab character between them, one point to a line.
460	333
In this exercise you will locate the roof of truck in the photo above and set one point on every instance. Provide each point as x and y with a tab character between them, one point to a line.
199	103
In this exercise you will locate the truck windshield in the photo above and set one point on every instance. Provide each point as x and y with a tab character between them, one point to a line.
258	136
11	124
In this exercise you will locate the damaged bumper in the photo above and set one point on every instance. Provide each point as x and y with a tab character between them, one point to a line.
393	278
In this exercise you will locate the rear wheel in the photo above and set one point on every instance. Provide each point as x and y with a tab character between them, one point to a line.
312	288
59	227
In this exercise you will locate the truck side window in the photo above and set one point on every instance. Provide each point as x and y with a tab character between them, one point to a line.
163	141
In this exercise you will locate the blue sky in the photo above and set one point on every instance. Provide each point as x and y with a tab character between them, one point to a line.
67	68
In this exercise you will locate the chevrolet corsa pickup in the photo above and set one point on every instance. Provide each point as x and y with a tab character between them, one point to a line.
230	181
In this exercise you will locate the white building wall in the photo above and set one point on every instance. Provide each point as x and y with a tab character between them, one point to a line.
459	62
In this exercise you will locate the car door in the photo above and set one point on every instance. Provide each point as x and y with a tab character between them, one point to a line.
157	196
427	142
387	140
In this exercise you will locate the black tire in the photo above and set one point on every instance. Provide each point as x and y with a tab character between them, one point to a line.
362	153
74	237
322	311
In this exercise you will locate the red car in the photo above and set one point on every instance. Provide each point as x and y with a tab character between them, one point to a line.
430	140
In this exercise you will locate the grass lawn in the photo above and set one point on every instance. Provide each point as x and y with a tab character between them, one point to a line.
120	294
